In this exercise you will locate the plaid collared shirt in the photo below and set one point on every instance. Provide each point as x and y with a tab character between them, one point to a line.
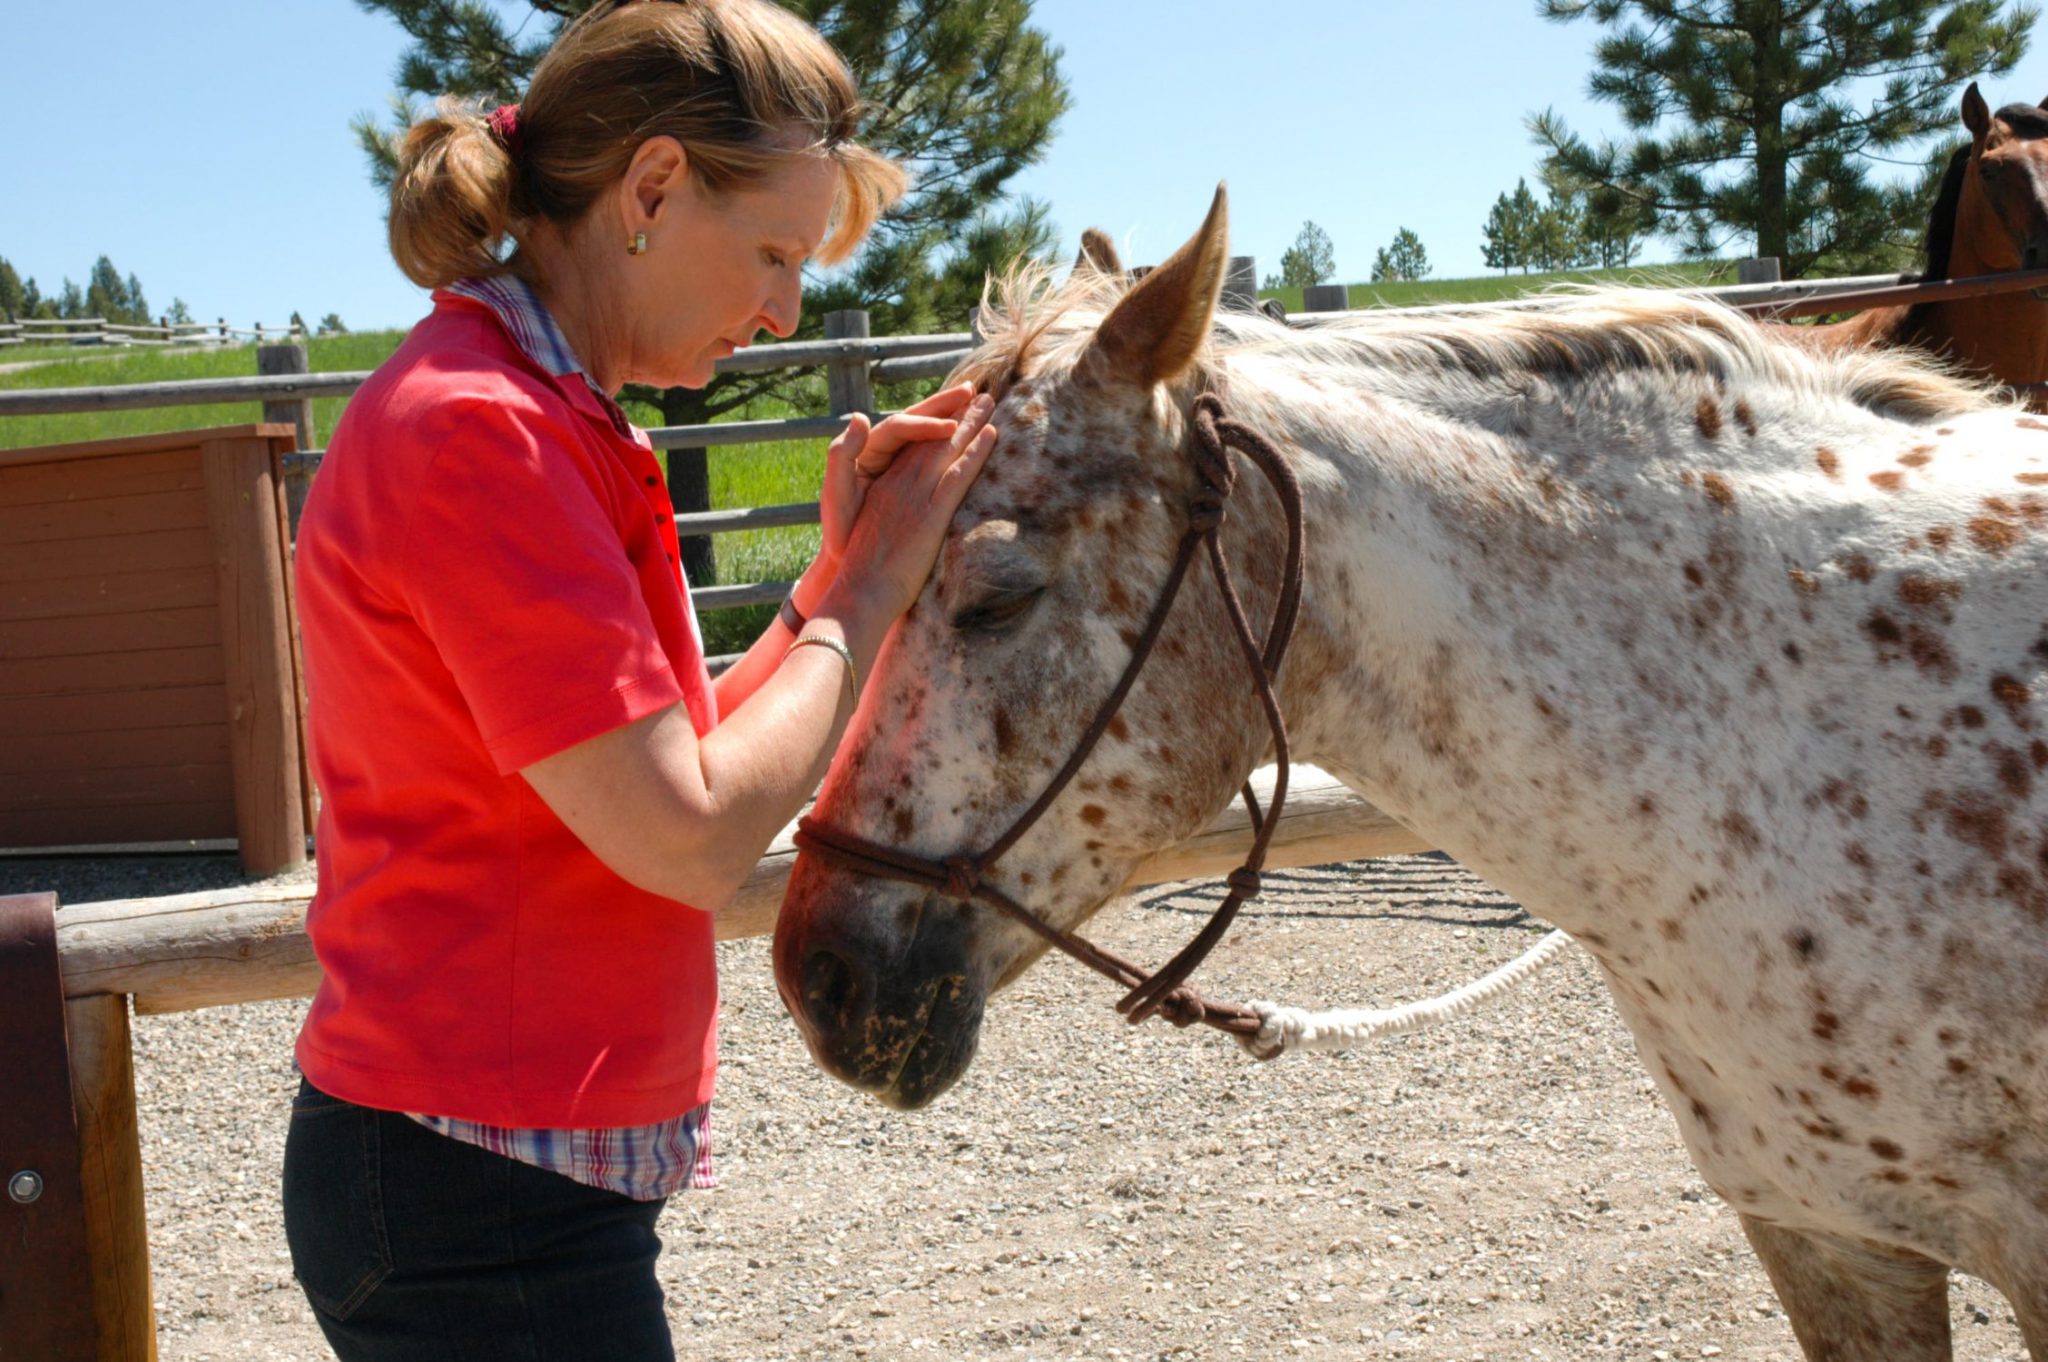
642	1162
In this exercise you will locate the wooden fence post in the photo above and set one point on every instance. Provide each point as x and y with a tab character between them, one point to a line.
110	1154
1762	270
1325	298
290	359
846	380
1241	283
256	638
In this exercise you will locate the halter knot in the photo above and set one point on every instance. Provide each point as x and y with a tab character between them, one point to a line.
1211	458
1244	882
963	877
1205	511
1183	1008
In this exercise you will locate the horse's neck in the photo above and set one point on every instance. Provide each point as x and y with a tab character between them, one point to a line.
2003	338
1436	669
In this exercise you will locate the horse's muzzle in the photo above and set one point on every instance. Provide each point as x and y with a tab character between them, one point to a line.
897	1019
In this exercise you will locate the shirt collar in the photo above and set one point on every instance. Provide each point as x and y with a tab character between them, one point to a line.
527	319
534	330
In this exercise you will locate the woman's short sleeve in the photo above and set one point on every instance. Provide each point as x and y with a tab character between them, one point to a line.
516	565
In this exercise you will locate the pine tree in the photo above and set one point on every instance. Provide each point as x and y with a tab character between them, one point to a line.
1401	261
964	92
1754	119
1312	258
179	315
330	325
70	302
105	295
1509	234
137	305
13	297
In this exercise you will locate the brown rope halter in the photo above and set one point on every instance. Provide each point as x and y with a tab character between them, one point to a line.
1211	436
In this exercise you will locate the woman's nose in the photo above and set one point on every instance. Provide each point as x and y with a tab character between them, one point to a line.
780	313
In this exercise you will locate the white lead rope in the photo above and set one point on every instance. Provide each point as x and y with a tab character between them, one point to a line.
1295	1028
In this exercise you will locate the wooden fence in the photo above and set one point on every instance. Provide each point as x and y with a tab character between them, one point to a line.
148	678
100	331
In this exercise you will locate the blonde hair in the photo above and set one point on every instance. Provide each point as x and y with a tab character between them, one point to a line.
744	85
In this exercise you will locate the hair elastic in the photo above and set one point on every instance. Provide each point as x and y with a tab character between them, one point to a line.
504	121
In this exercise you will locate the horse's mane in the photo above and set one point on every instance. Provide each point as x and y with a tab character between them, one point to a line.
1941	223
1032	322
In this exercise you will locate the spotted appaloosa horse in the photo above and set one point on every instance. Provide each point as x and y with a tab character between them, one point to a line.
1991	217
1726	657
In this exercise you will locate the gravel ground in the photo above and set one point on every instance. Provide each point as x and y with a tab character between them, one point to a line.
1506	1187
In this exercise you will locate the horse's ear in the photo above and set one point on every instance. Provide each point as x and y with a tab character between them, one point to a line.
1976	113
1098	253
1154	334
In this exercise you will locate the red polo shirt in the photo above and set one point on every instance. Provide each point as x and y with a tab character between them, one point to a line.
487	574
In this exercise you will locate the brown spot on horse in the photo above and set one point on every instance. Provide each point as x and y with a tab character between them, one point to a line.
1706	414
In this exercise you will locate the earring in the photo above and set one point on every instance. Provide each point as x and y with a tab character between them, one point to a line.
638	245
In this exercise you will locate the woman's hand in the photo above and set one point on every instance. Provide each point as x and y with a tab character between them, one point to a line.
861	454
891	545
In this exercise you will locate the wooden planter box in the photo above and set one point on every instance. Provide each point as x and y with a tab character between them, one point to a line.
149	672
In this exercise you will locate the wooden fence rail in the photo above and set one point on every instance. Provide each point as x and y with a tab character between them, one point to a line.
187	951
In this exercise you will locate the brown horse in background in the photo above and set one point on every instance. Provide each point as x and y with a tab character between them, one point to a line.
1991	217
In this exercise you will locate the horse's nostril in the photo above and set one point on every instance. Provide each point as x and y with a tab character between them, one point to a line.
831	990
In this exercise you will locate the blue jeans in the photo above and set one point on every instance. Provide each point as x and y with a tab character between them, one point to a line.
414	1247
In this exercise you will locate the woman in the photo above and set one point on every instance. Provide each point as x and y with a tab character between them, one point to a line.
534	796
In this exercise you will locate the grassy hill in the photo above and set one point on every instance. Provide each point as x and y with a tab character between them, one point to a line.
741	475
1494	287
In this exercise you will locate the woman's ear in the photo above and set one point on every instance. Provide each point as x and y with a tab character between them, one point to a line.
653	183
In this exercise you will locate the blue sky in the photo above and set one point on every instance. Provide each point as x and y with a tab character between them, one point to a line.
216	162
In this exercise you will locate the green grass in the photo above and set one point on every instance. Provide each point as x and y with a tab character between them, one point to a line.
1497	287
326	354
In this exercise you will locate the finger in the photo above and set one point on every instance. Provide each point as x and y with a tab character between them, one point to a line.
963	470
896	432
842	461
944	402
851	441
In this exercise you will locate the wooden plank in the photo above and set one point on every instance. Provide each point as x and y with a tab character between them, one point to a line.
96	673
172	707
118	787
128	823
109	593
178	510
167	470
37	753
246	944
136	631
110	1158
256	641
134	444
84	556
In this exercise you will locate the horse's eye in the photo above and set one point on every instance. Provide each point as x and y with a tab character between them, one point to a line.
996	612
